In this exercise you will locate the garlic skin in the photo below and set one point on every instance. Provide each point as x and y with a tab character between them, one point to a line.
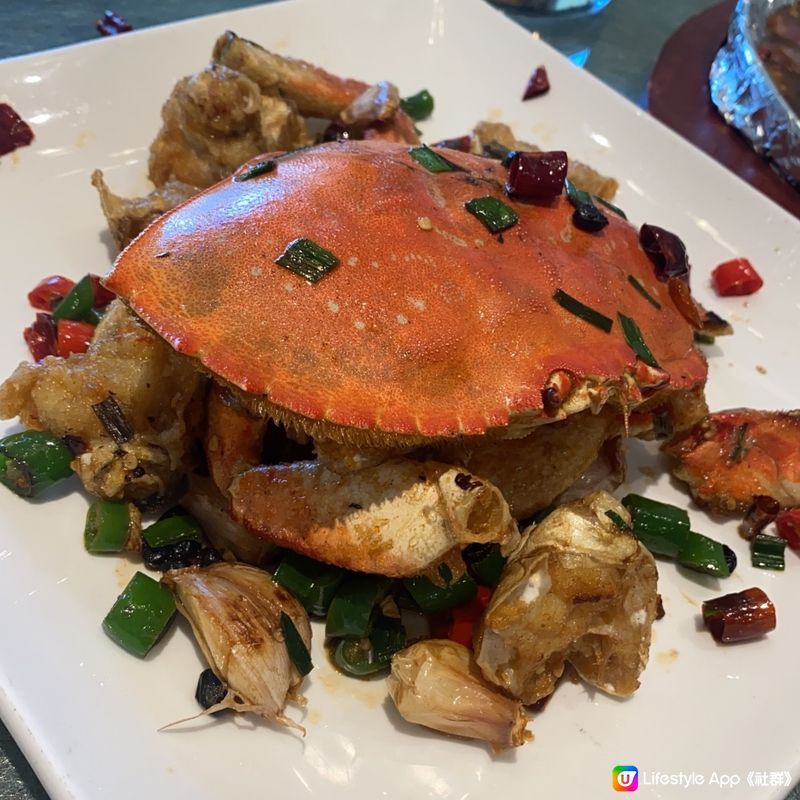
436	683
235	612
578	589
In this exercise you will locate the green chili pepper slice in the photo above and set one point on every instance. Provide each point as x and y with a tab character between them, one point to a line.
351	610
108	526
485	563
170	530
430	597
141	615
368	655
78	302
314	584
31	461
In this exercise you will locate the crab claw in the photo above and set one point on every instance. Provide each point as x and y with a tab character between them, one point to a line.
395	519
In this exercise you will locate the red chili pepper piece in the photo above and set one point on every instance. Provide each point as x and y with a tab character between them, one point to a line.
41	337
464	617
73	337
788	524
14	131
111	24
538	84
537	175
49	292
735	278
739	616
102	296
461	143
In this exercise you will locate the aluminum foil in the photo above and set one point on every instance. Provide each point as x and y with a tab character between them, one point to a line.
745	95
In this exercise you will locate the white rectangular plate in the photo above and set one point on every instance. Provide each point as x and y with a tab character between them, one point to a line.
86	714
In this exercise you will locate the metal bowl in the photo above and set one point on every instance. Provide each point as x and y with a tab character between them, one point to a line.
745	95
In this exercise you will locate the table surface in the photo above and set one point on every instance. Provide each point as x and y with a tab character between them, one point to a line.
619	45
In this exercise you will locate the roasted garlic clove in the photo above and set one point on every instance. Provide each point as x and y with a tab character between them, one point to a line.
235	612
436	683
579	589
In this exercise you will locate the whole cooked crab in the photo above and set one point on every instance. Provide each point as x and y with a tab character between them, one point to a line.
443	388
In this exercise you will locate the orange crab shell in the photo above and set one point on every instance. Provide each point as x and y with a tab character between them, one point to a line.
429	324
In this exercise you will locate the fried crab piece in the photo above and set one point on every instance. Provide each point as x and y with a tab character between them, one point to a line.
397	519
582	175
436	683
214	121
579	590
236	614
731	457
127	217
152	385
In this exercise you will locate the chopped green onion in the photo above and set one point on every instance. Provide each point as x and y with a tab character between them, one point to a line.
141	615
173	529
583	312
633	281
703	338
493	213
432	161
430	597
767	552
497	151
307	260
609	205
108	526
418	106
739	443
485	562
704	555
662	528
313	583
618	520
111	415
31	461
587	216
261	168
295	646
633	336
368	655
78	301
351	610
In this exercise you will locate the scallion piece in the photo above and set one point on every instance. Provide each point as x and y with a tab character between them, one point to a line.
610	206
587	216
662	528
110	413
295	646
366	656
618	520
171	530
740	447
31	461
108	526
351	610
307	260
583	312
493	213
261	168
78	301
418	106
704	555
313	583
633	281
430	597
739	616
703	338
141	615
634	338
767	552
431	160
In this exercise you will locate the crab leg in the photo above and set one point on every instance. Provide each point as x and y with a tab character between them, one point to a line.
395	519
315	92
732	456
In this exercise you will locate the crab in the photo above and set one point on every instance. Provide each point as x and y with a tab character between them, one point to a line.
445	391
